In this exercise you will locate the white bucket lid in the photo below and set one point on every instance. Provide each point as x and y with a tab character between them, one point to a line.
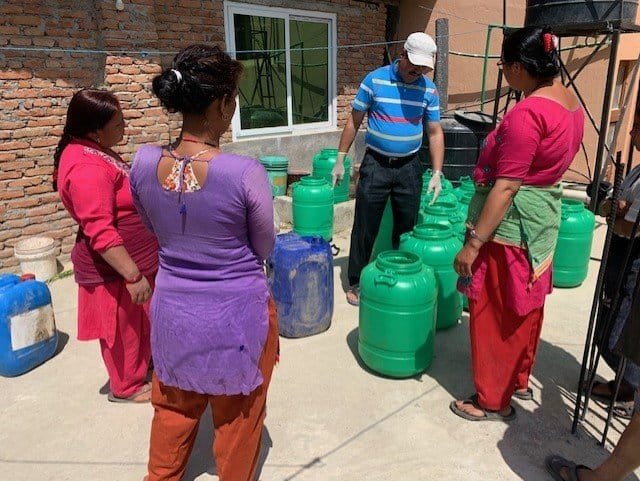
34	246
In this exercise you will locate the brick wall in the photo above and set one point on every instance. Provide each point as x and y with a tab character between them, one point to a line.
35	87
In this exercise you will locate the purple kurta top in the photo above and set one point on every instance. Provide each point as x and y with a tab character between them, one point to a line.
209	313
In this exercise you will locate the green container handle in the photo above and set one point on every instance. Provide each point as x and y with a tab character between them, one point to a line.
389	278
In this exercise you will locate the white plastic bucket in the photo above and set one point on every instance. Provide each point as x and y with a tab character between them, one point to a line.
37	255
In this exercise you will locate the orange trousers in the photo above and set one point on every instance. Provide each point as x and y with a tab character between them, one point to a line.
503	343
238	421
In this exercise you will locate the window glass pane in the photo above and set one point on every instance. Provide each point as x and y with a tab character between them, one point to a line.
263	86
309	71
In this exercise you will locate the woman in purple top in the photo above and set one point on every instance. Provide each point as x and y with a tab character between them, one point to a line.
214	336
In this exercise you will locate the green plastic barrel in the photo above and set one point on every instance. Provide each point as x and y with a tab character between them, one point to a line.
466	187
444	182
573	251
463	203
323	163
313	207
437	246
276	166
445	213
447	193
397	314
383	239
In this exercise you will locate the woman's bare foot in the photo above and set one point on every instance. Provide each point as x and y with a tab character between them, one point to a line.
353	295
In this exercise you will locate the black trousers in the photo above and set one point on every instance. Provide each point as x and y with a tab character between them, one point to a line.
382	177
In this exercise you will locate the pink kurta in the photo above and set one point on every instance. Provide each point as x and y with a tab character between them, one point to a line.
94	188
535	143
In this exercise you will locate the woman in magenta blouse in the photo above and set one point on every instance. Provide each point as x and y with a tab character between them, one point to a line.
115	257
505	264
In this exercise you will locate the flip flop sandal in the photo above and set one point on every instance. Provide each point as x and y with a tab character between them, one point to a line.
524	396
356	292
488	415
606	398
624	410
131	399
603	397
555	464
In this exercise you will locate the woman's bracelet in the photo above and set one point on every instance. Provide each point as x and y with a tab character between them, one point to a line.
474	235
135	280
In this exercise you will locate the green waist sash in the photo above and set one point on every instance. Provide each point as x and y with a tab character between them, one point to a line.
531	222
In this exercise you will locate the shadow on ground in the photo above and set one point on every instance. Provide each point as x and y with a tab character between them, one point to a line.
63	340
342	262
533	435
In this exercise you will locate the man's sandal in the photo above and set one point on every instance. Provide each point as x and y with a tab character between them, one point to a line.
555	465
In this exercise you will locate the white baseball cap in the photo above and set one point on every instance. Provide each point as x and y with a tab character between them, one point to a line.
420	48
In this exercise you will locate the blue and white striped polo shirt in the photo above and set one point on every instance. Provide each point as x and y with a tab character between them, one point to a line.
397	111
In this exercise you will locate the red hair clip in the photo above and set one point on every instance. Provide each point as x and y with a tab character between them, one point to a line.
548	42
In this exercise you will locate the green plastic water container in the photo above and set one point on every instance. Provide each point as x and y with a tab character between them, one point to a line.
313	207
463	204
323	163
444	182
276	166
447	194
573	251
466	187
383	239
437	246
397	314
445	213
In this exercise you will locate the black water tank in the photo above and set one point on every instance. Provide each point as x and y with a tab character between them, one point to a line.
586	17
464	133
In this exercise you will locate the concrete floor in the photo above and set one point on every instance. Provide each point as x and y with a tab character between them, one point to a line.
328	417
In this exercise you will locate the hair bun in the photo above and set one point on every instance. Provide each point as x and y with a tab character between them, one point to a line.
167	87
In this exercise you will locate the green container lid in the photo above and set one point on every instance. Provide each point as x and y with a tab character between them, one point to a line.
274	161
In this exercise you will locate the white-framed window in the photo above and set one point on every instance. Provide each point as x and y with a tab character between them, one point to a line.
289	59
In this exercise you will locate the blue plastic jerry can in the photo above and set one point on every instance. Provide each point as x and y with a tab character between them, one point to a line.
301	282
28	335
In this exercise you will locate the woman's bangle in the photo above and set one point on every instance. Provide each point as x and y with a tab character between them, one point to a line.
135	280
474	235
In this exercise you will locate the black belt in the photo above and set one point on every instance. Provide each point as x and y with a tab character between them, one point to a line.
389	161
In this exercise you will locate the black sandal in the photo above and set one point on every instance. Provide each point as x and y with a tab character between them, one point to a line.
524	396
488	415
555	464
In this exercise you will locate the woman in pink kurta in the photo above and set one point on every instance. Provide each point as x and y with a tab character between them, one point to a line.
505	264
115	256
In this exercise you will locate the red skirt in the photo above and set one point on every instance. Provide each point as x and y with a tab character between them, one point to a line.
101	307
503	342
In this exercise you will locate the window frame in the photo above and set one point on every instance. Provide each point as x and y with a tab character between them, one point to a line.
233	8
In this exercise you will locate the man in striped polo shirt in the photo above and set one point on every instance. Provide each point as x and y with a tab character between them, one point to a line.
400	103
